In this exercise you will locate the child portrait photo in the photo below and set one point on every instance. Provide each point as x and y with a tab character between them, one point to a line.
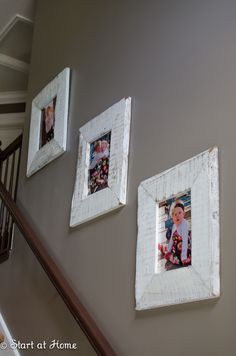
99	164
48	122
174	232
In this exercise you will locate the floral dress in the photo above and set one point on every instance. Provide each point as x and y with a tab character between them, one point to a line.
175	253
98	176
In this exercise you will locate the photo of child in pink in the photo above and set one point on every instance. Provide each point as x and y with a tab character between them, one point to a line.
178	251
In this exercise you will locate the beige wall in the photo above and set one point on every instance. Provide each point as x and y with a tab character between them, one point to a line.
7	136
176	59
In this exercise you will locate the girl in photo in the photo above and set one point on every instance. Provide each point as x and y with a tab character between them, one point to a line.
178	251
48	122
99	167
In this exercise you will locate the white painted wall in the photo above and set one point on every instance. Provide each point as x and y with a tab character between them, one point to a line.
7	136
11	126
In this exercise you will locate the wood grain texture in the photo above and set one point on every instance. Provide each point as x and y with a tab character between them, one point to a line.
38	158
201	279
86	207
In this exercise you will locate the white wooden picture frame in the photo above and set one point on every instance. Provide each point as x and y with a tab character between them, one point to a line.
116	121
39	156
200	280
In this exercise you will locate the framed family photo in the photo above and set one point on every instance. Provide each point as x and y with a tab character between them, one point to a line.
48	126
178	234
102	168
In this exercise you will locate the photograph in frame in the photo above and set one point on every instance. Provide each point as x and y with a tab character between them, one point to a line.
48	125
178	256
174	232
102	166
99	163
47	122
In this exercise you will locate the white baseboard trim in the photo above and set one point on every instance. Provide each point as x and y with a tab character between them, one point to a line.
12	97
14	63
12	23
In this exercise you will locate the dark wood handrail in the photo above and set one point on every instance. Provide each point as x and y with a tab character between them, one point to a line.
81	315
11	148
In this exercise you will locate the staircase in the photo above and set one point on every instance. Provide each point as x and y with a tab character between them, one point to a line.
10	214
9	172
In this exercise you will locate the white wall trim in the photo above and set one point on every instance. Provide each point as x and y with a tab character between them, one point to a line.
13	97
13	21
14	63
12	121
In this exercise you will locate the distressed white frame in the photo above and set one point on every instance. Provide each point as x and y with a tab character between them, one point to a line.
8	344
200	280
116	120
39	157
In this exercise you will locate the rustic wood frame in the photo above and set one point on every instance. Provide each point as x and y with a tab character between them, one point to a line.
200	280
39	157
117	120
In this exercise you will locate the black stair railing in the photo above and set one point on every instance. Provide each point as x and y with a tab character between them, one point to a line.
9	172
10	213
